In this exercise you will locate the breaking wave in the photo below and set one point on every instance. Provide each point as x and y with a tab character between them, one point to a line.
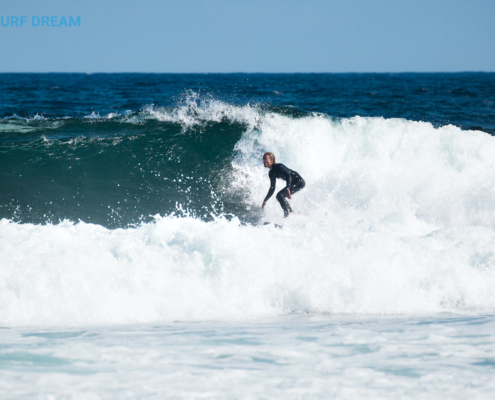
397	217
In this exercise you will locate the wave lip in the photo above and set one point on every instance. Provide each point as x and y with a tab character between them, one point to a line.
195	110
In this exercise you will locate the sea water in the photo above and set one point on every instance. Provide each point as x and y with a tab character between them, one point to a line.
135	260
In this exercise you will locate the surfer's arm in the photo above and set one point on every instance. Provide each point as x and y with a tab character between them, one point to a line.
273	182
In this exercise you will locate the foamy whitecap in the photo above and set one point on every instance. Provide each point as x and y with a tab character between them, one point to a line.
196	110
189	270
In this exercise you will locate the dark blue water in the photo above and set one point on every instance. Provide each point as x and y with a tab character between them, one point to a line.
92	148
463	99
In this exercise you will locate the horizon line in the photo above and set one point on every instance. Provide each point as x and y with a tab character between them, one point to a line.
253	73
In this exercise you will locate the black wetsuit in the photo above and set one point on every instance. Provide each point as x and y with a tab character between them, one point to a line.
293	180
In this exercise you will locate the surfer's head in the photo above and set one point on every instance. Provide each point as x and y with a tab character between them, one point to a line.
268	159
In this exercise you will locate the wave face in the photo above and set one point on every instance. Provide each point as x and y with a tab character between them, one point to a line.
154	215
117	170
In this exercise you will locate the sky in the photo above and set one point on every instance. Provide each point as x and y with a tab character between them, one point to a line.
224	36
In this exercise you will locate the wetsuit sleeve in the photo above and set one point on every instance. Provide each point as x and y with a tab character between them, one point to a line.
273	182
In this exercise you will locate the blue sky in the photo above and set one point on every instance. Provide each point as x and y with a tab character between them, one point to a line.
250	36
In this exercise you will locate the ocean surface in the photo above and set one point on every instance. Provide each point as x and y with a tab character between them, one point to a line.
136	262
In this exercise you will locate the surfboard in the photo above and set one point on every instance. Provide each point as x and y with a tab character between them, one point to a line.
272	223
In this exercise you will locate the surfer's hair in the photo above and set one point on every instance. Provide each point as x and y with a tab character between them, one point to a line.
271	155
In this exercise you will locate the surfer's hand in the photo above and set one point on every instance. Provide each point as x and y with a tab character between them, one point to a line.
288	194
263	206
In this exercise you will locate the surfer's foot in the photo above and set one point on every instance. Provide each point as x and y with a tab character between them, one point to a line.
286	216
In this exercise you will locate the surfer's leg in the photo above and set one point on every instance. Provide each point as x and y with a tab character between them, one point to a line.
294	188
297	187
300	184
281	196
283	202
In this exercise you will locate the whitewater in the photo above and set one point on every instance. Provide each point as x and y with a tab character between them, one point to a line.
380	285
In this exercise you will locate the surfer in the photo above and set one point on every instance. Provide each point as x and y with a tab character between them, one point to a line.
293	180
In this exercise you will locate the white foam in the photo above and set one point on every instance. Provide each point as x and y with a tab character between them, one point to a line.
398	218
196	110
375	167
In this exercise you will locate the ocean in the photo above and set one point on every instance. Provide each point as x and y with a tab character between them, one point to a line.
136	262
